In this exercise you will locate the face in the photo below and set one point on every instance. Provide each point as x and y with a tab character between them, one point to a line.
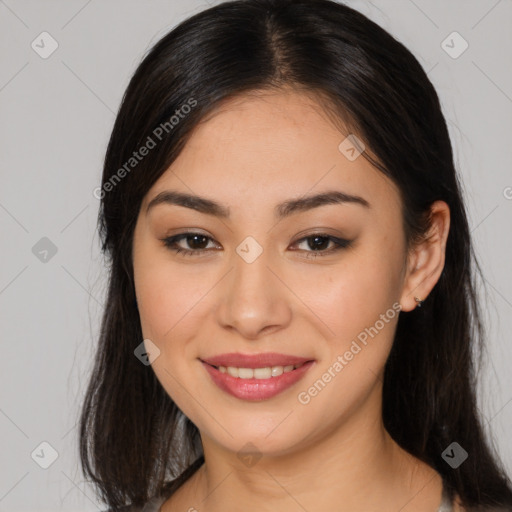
317	283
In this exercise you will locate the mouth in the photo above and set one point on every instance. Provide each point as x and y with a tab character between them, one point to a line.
253	380
262	360
265	372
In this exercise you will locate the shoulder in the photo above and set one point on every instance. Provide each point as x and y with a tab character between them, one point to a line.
168	489
152	505
126	508
457	506
481	508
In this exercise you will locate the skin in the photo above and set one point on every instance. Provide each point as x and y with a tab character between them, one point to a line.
256	151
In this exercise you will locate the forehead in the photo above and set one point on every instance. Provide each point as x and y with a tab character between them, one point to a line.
269	147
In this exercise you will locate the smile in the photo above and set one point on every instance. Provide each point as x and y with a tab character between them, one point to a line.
257	383
258	373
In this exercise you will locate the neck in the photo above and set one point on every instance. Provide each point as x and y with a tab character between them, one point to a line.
355	467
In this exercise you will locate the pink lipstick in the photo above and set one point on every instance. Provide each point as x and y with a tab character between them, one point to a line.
256	377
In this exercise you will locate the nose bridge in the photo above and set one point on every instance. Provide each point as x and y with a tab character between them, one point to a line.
252	299
250	276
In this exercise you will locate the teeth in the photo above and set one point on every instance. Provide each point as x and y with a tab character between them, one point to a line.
232	371
277	370
258	373
243	373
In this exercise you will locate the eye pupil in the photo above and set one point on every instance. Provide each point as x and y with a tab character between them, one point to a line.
195	237
320	246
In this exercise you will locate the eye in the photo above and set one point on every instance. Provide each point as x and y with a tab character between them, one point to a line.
319	241
197	240
199	243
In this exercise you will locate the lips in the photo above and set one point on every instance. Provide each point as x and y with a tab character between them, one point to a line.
287	370
255	360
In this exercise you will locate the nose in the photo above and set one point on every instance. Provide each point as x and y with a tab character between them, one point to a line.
253	299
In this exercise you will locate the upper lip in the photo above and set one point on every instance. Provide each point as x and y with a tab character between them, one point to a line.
255	360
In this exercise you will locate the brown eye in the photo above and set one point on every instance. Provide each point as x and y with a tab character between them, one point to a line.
196	241
319	242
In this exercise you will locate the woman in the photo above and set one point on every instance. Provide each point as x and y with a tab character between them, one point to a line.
291	306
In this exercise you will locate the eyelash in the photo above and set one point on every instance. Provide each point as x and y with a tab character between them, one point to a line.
171	242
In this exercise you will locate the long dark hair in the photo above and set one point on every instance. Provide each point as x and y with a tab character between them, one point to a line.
133	438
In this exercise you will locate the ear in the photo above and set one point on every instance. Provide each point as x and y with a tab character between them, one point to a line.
425	261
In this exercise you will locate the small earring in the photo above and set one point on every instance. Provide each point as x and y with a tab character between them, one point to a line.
419	301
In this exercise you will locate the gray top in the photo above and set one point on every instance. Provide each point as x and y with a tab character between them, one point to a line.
155	504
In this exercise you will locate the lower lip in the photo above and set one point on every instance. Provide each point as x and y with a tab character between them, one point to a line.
256	389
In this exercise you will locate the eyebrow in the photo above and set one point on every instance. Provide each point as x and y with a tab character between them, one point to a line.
281	210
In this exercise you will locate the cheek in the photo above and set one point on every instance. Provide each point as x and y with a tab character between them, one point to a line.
361	309
170	303
168	297
173	300
350	296
359	303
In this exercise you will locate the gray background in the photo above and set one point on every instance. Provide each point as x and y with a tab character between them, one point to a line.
56	117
